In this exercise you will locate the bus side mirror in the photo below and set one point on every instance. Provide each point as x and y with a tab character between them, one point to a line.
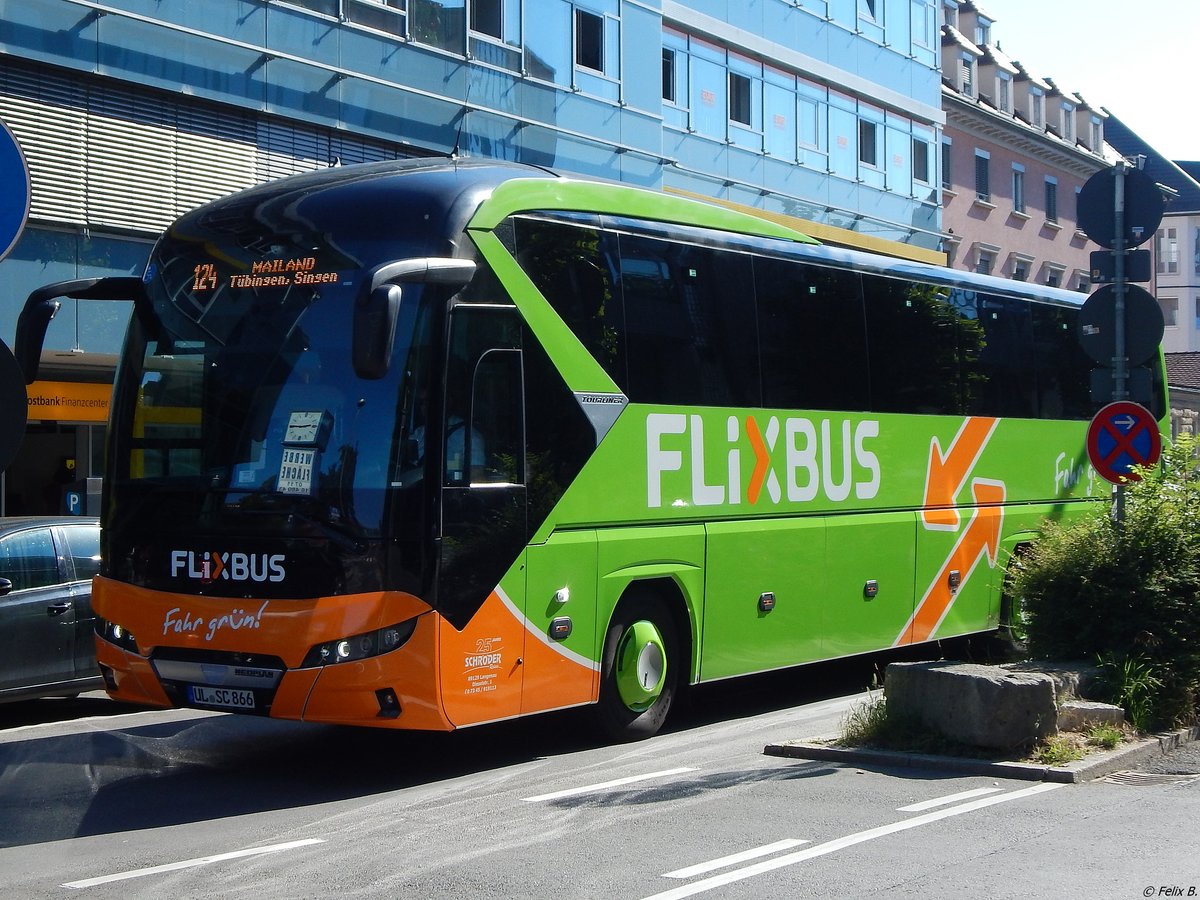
31	334
42	305
375	316
377	309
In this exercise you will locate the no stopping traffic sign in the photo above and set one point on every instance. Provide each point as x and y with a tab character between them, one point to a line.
1123	435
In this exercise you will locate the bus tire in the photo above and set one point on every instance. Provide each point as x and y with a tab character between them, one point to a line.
1012	633
639	673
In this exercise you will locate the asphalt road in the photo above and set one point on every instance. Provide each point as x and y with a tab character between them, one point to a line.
183	804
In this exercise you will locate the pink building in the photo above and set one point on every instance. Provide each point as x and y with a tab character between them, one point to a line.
1016	150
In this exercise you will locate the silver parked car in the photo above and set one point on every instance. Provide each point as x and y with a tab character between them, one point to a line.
46	619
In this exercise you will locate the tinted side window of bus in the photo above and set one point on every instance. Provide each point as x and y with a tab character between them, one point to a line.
813	337
571	266
996	358
1063	369
913	333
691	332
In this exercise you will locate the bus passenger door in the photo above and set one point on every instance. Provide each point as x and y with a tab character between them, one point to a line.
481	576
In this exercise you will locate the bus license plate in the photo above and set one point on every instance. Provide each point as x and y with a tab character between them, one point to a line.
221	697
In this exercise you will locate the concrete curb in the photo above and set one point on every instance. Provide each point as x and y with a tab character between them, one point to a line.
1094	766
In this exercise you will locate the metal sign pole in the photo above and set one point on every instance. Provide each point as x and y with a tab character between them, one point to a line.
1120	361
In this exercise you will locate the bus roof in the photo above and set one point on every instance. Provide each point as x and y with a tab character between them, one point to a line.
476	191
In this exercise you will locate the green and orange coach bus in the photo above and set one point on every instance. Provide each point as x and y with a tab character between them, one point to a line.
428	444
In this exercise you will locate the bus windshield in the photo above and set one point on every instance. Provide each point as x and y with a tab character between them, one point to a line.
243	391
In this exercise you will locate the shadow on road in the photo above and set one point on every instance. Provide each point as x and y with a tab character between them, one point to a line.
101	779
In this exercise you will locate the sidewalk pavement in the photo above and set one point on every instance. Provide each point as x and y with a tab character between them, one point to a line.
1175	752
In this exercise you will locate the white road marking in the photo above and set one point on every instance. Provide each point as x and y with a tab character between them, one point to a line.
190	863
604	785
946	801
849	840
734	859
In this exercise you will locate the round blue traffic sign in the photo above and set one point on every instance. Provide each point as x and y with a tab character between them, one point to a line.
1123	435
14	191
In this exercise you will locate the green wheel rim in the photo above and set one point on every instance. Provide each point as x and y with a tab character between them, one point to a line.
641	665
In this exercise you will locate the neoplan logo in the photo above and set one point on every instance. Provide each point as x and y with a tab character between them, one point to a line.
208	567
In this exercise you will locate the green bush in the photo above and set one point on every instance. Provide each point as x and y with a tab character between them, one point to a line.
1127	594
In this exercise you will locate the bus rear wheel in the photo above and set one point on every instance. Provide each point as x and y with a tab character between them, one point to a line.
640	669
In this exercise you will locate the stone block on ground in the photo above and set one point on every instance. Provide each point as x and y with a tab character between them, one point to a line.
1071	679
1078	715
984	706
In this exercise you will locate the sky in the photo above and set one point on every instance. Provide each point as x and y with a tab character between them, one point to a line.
1136	59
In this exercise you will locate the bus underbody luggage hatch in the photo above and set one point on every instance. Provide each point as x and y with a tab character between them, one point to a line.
43	304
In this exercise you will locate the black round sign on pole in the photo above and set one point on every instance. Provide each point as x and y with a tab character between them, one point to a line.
1098	201
1143	325
14	408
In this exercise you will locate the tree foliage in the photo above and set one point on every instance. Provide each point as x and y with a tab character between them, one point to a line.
1126	592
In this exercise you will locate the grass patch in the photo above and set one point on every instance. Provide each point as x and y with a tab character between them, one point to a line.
1104	737
1059	750
870	725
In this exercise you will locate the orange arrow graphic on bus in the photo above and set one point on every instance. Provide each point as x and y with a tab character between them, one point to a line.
948	472
762	460
982	535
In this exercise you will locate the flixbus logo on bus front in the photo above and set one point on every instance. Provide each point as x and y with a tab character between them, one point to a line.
232	566
826	457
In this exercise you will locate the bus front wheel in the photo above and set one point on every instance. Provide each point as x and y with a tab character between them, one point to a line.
639	673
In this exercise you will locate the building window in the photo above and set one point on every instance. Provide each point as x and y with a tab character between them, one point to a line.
487	17
1054	278
1037	109
966	68
983	190
1051	200
668	74
1068	122
1097	134
1018	189
809	116
868	152
739	99
1167	252
868	8
920	160
983	264
589	40
946	180
1170	310
950	13
429	23
983	31
1004	93
1020	270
